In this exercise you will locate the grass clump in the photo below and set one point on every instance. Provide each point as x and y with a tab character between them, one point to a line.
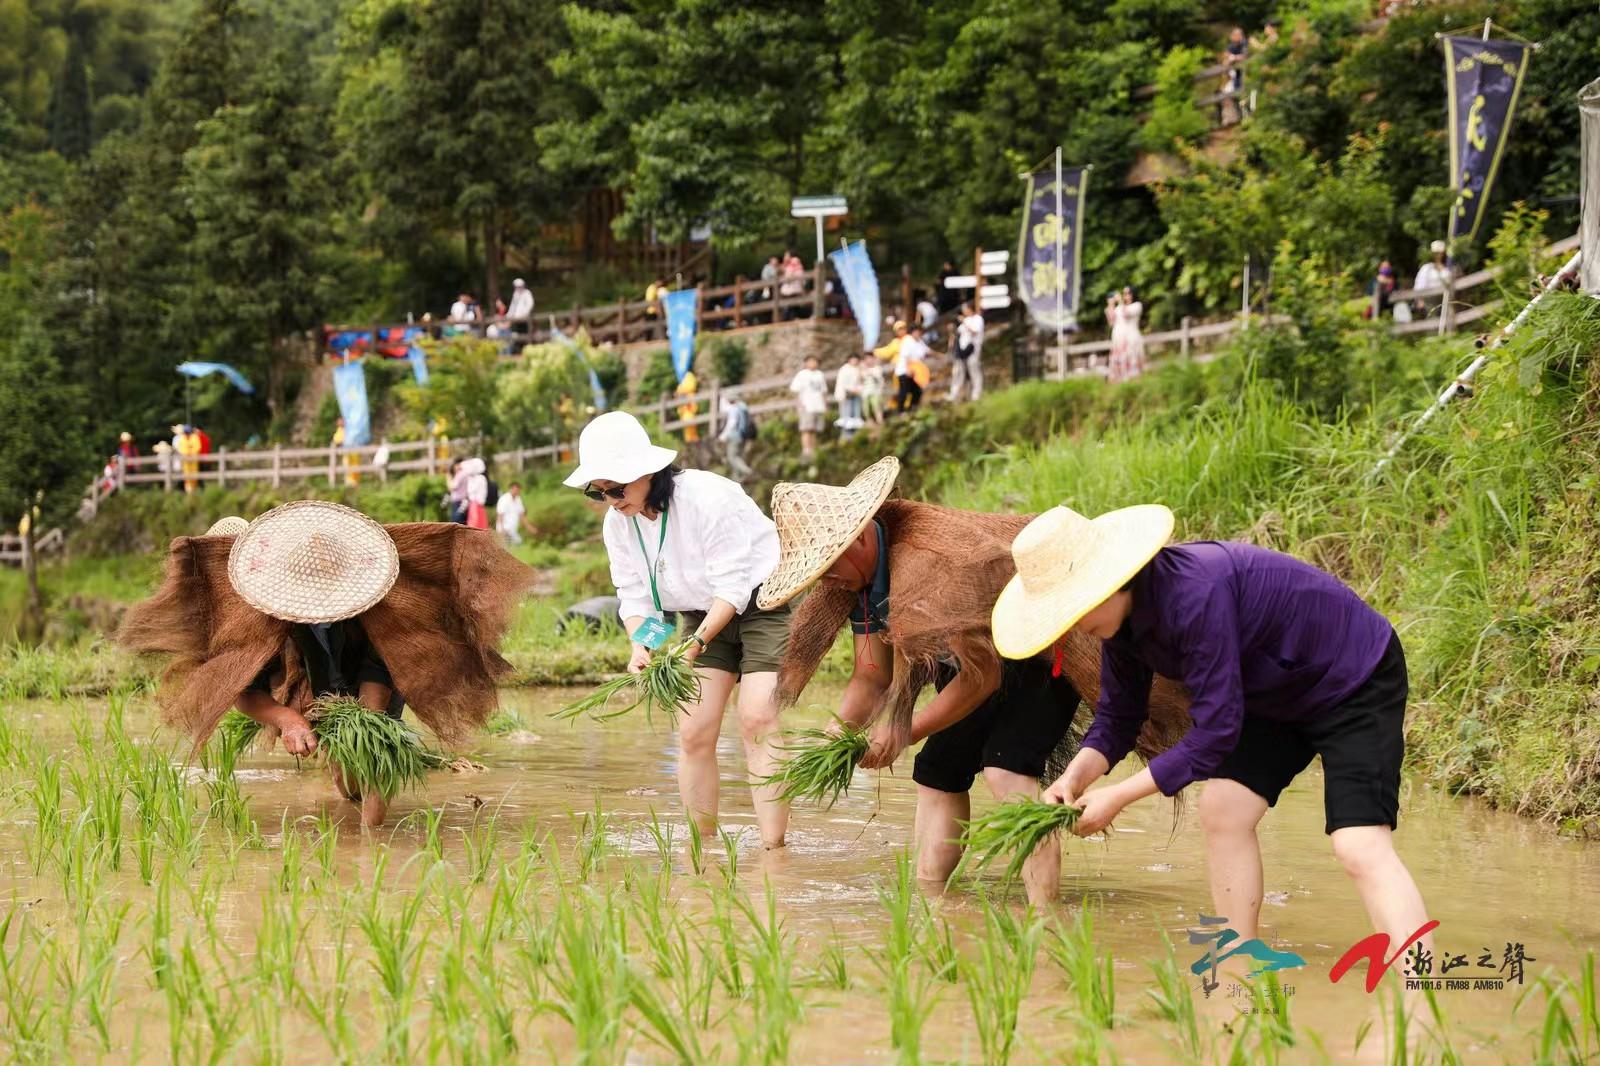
236	733
380	753
1016	827
666	683
821	763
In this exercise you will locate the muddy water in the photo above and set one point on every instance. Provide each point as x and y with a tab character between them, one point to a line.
1491	879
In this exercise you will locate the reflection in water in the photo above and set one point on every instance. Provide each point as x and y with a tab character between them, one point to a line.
1490	879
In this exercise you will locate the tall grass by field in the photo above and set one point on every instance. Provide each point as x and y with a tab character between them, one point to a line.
1480	542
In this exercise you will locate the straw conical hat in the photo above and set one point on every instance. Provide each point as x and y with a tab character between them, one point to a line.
1067	565
816	523
231	526
313	561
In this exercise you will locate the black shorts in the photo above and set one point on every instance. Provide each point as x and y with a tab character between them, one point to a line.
1362	742
1015	729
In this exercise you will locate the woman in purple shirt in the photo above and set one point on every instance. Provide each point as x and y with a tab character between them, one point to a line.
1283	662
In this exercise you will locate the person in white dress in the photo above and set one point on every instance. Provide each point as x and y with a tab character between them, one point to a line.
966	359
691	543
1127	343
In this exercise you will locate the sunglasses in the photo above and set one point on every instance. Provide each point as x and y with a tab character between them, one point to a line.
600	494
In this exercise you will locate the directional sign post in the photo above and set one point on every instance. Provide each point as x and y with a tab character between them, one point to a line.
819	208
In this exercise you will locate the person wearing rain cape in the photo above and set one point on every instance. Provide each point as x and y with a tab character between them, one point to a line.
916	584
1283	663
314	599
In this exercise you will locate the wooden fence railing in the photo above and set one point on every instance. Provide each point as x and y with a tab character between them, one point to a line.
1452	315
745	302
14	546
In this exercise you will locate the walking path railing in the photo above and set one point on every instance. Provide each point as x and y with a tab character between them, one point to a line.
14	546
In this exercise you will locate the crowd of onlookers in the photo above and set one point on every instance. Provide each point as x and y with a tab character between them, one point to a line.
1429	288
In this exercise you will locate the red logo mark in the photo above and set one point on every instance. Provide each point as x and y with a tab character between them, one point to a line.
1372	949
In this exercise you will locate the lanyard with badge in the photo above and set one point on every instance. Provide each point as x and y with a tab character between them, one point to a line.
653	632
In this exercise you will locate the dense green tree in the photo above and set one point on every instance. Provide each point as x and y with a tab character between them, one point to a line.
71	129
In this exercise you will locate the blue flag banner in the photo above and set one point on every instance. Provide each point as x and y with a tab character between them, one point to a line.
577	349
349	339
1483	79
1051	246
200	370
681	314
419	362
350	388
861	289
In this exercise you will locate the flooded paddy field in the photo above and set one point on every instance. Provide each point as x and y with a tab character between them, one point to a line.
554	906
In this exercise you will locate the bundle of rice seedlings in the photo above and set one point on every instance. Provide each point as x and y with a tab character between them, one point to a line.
821	764
667	682
1016	827
235	734
380	754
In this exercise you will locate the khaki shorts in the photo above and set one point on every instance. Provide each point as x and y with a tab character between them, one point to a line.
753	643
811	421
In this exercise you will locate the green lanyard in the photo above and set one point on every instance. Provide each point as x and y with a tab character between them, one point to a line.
654	593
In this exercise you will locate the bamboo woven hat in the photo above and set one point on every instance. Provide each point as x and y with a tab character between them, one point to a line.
231	526
1067	565
313	561
816	523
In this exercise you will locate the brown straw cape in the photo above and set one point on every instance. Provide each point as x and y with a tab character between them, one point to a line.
231	526
816	523
313	561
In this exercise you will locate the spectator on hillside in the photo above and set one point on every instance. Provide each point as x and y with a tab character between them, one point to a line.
737	431
1123	311
769	276
521	308
911	358
847	394
1268	38
966	362
1234	55
1381	291
456	497
126	448
464	310
189	448
927	313
810	388
947	298
477	485
793	286
352	476
511	515
872	388
686	390
1434	274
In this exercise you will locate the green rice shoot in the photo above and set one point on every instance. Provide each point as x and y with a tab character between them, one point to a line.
821	763
1016	827
666	683
379	753
236	734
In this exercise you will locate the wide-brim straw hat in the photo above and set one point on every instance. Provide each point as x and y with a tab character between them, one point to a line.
1067	565
231	526
313	561
615	447
816	523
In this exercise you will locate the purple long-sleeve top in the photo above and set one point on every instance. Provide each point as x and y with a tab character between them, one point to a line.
1249	632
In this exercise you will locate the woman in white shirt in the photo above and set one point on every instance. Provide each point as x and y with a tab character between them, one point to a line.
691	542
810	387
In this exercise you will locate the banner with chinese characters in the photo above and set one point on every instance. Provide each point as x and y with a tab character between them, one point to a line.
350	389
682	307
861	288
1483	79
1052	246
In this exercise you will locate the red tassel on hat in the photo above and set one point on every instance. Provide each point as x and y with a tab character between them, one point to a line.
1061	655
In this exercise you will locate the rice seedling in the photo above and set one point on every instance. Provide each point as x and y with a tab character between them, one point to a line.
998	977
909	999
1174	999
27	1007
832	969
820	763
667	683
479	843
776	1007
589	978
1016	828
236	734
380	754
1088	972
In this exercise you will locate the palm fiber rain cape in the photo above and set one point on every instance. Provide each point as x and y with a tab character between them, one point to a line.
946	569
438	630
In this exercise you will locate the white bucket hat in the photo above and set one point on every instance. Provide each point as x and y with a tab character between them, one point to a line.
1067	565
313	561
615	447
816	523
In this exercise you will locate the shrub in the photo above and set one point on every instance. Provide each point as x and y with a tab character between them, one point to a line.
658	377
730	360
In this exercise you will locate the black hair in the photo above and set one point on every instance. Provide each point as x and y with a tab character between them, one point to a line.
662	482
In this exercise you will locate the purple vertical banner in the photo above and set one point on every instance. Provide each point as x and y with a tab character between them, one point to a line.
1483	79
1051	246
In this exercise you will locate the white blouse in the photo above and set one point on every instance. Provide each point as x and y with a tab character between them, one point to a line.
718	546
